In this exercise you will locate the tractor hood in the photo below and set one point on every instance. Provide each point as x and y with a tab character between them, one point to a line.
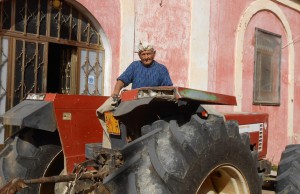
31	113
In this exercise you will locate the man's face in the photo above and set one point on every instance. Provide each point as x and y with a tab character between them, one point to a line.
147	57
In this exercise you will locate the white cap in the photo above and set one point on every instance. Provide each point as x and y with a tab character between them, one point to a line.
144	46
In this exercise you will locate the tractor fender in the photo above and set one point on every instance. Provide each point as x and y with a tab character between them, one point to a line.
128	106
32	114
159	96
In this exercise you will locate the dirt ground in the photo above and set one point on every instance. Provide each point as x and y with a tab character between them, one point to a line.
268	192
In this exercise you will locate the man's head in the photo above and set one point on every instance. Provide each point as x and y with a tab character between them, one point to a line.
146	53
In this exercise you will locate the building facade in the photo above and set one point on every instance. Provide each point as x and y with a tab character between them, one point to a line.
249	49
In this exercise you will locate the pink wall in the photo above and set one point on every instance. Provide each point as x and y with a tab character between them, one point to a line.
224	20
167	26
164	23
277	130
225	16
293	17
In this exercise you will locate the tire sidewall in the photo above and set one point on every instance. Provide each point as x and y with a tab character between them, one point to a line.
230	153
26	157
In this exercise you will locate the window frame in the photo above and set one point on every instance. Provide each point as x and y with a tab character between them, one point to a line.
263	91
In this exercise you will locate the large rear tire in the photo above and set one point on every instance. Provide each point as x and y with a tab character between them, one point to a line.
31	154
288	174
188	156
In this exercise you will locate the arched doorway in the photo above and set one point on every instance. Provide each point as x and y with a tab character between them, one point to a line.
47	46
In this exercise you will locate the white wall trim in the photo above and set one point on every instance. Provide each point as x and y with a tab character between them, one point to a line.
253	9
290	4
199	45
107	64
127	33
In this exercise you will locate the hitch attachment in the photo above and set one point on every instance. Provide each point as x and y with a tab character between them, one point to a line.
87	175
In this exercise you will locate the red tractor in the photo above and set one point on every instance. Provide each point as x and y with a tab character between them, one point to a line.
164	140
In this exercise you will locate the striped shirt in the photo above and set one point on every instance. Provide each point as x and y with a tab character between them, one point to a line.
140	75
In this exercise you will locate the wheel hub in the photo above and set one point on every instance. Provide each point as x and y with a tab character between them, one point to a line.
224	179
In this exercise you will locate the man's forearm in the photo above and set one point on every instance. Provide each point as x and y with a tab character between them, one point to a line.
119	85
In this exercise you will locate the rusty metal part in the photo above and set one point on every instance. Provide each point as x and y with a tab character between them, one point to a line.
66	178
107	161
110	157
85	184
13	186
19	184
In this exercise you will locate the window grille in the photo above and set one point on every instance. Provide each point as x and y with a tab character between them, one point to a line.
3	80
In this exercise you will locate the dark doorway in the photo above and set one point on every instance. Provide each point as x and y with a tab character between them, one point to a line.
59	68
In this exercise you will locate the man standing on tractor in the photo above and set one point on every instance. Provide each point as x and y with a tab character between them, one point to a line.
144	73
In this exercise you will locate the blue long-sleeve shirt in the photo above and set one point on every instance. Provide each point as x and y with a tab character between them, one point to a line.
140	75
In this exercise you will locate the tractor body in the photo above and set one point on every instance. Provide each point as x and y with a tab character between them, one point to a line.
73	119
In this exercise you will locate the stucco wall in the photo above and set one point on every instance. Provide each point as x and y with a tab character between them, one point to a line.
166	24
293	17
231	66
224	20
277	130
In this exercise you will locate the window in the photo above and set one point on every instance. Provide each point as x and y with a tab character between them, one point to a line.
46	44
91	70
41	46
267	68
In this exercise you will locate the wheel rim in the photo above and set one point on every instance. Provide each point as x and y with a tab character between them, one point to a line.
54	167
224	179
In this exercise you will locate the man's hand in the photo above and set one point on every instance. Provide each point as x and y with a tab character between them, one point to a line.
119	85
115	97
109	105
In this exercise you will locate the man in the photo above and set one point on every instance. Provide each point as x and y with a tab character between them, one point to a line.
144	73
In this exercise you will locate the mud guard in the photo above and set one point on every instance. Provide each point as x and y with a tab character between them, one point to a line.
129	106
133	99
33	114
